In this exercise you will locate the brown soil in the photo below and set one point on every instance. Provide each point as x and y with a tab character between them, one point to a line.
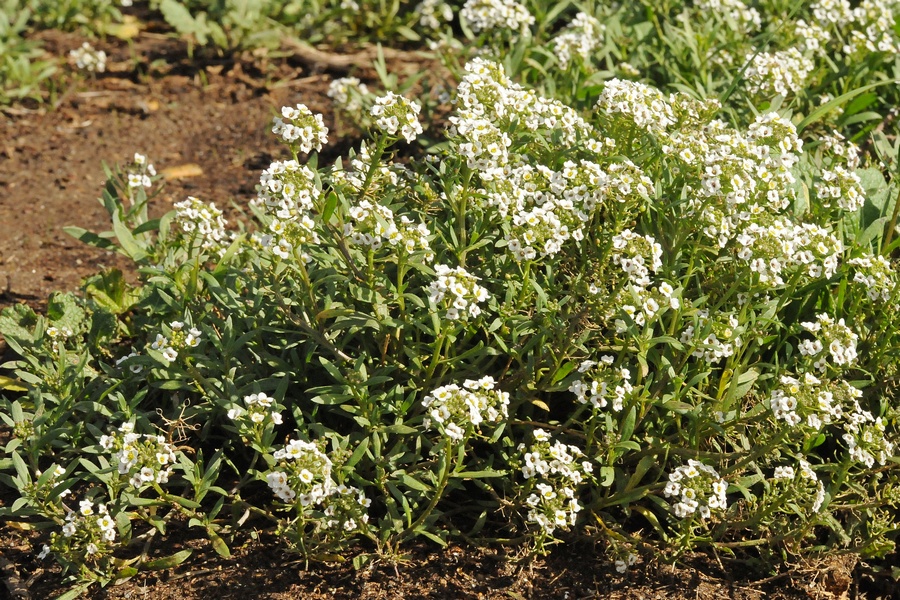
214	114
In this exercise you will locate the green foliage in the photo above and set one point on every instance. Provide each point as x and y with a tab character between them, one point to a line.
626	317
641	289
22	68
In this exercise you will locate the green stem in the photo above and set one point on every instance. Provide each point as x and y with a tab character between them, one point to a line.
436	355
526	283
889	232
460	209
437	494
374	158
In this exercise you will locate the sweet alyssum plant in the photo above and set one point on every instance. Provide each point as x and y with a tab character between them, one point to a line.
635	322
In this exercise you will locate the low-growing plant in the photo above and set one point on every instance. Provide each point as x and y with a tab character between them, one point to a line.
632	321
23	68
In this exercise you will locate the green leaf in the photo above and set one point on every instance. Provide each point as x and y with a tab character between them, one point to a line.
628	425
413	483
75	592
151	225
652	519
642	467
832	104
218	543
167	562
562	372
233	249
330	204
358	453
21	468
90	238
12	385
182	501
124	574
361	560
64	310
130	246
743	384
484	474
398	429
434	538
607	476
110	290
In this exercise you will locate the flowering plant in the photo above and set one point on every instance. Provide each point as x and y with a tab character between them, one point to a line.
663	321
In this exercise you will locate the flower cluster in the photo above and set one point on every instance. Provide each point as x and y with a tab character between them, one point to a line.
177	341
801	481
865	436
841	150
204	223
488	103
144	459
140	172
488	15
839	339
743	186
433	14
782	244
89	59
628	560
58	336
548	207
636	255
867	28
841	185
133	366
784	73
303	478
300	129
602	384
578	39
88	535
553	472
348	94
395	115
458	291
735	10
259	411
810	402
642	305
359	174
813	37
456	411
643	105
722	336
288	191
306	472
375	224
876	274
698	488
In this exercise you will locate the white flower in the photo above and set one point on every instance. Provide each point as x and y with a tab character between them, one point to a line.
89	59
395	114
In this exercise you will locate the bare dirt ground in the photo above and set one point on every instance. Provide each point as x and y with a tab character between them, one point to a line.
213	116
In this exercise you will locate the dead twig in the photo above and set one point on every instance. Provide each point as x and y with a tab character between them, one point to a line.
14	584
315	58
